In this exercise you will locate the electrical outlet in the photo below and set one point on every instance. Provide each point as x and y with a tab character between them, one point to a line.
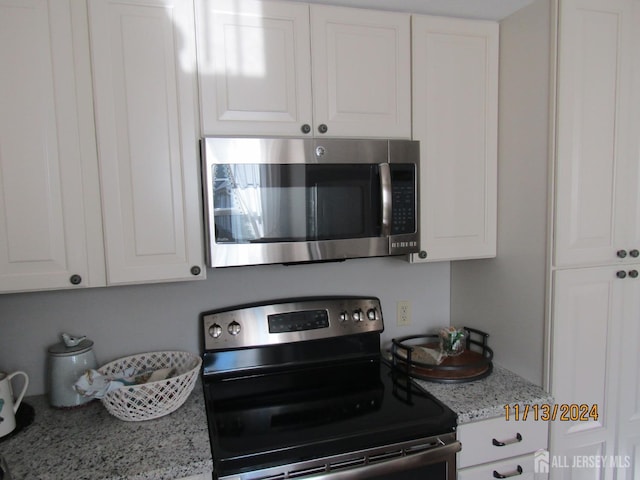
404	313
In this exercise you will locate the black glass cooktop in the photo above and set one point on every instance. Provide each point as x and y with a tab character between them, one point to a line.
264	420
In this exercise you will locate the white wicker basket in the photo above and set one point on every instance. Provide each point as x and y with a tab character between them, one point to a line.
153	399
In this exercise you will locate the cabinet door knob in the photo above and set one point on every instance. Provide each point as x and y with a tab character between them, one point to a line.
306	128
621	274
633	273
518	471
322	128
422	254
635	253
75	279
621	253
195	270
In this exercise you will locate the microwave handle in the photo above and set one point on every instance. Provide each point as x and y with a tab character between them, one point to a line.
385	189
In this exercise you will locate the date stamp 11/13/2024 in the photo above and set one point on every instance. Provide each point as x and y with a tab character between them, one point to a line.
564	412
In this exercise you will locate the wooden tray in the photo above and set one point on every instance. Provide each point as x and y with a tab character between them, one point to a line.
458	371
470	365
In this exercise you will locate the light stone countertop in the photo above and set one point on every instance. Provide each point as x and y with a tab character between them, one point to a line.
87	443
486	398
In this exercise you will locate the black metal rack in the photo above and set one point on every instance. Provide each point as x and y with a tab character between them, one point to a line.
474	364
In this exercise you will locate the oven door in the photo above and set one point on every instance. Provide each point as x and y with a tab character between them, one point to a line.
433	458
438	463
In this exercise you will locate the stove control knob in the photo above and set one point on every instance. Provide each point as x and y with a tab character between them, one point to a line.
215	330
372	314
234	328
344	316
357	315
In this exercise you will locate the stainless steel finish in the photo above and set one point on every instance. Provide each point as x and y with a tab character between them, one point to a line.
381	461
251	327
230	255
304	151
385	188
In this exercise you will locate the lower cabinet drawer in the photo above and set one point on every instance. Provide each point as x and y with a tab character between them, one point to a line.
496	439
517	468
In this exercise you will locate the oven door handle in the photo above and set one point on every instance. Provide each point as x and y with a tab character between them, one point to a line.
444	452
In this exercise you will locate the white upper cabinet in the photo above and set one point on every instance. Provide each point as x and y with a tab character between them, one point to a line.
361	72
255	70
455	110
254	66
143	57
597	133
49	204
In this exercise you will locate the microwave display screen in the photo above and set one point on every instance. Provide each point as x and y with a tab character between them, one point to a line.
268	203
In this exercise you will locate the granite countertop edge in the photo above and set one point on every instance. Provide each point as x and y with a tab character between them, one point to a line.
488	397
87	443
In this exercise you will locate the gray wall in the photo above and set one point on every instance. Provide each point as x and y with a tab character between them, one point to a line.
506	296
133	319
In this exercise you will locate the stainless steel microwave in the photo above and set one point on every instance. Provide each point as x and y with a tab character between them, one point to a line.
275	200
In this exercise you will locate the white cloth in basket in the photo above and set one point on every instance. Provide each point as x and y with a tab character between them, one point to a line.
95	385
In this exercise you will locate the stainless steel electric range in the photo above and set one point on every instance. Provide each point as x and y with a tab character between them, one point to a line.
298	388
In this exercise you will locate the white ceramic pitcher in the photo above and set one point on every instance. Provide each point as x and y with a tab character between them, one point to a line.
9	405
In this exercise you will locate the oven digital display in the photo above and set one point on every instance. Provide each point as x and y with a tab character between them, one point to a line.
298	321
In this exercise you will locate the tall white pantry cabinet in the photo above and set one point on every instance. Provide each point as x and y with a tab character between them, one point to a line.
107	199
569	268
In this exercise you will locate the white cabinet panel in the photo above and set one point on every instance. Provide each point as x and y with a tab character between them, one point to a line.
47	151
629	393
519	437
361	72
455	101
588	307
145	98
254	67
279	68
522	468
593	149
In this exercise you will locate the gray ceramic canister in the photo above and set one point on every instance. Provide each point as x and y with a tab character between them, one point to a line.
68	360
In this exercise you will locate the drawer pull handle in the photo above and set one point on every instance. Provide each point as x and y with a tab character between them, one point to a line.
498	443
515	473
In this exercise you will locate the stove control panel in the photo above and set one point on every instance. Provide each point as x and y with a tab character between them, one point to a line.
290	321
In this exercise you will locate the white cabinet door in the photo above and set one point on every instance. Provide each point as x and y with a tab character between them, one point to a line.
143	57
594	153
629	393
455	102
255	70
588	308
49	205
254	67
361	72
631	200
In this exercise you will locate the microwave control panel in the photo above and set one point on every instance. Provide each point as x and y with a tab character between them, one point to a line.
403	199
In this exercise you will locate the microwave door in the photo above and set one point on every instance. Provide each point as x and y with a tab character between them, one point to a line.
345	201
